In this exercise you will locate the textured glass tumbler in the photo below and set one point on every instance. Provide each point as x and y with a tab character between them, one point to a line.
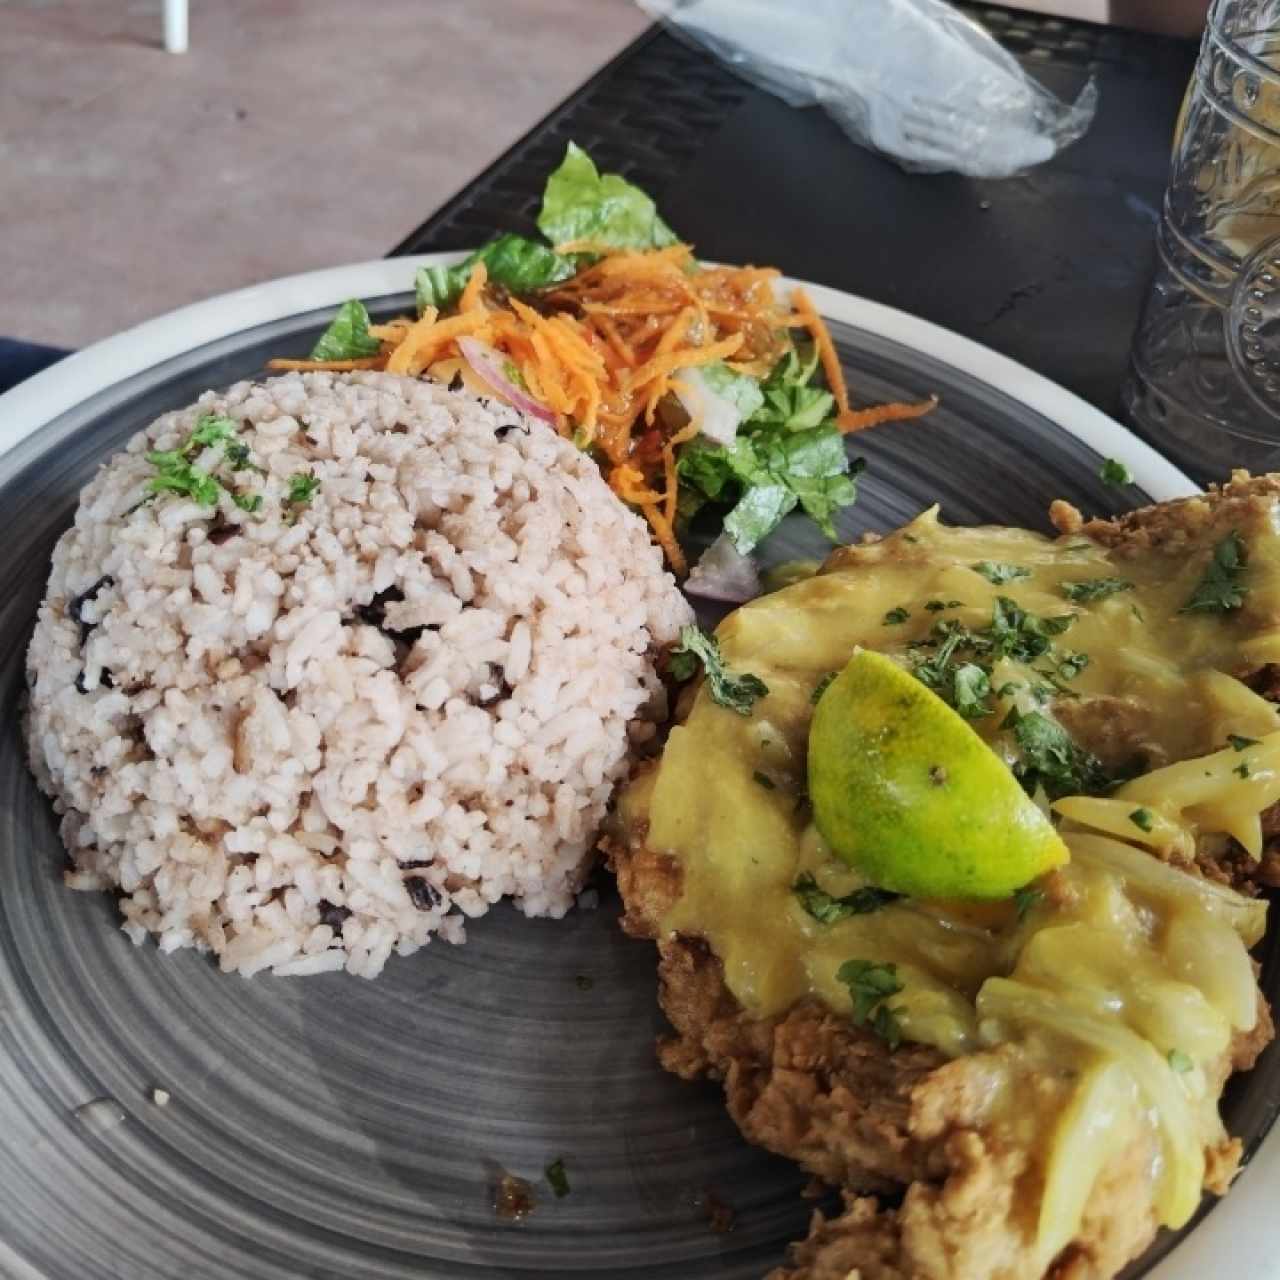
1204	382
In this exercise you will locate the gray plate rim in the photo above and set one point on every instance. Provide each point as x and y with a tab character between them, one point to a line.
1242	1228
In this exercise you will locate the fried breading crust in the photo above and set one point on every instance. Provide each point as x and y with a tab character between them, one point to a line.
810	1085
1174	526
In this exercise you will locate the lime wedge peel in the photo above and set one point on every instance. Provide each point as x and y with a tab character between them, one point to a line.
907	793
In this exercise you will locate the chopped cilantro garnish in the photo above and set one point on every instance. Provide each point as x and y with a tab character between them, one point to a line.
936	670
1113	472
737	692
895	616
1050	758
1094	588
174	474
822	686
1220	591
1141	818
937	606
870	986
1012	633
237	455
999	573
174	470
763	780
1242	769
1071	664
558	1179
970	686
1025	899
1179	1061
247	501
827	909
1239	743
303	486
165	459
1017	634
211	429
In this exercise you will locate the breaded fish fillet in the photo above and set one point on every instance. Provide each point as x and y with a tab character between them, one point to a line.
908	1122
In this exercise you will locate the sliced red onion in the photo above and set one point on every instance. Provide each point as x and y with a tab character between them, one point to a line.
724	573
488	366
717	418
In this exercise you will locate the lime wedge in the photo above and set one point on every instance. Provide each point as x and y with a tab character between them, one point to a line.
909	795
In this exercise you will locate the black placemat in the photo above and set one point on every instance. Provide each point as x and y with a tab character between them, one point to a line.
1050	267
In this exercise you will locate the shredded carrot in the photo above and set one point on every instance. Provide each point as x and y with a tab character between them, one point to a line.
851	420
685	358
327	366
659	383
604	350
686	433
635	307
392	331
628	483
617	343
471	298
666	538
669	497
400	359
426	341
826	348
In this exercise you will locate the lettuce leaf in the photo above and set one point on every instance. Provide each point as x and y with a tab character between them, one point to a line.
739	389
706	468
581	203
788	398
517	264
773	470
717	399
782	458
757	514
439	286
348	336
822	496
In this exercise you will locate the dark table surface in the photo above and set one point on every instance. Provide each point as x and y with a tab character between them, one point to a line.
1049	268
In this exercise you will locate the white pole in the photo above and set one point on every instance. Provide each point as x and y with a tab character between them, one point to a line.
175	26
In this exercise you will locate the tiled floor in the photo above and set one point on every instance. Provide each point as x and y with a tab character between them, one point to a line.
294	134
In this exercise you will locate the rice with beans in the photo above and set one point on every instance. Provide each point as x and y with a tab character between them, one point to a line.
309	735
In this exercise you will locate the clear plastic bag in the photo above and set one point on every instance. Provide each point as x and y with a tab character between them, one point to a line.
913	79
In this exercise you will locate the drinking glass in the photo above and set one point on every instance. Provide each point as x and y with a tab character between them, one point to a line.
1204	381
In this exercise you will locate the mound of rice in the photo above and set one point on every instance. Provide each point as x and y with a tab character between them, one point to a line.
309	735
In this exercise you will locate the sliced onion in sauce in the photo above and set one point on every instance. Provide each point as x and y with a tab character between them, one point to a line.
724	573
